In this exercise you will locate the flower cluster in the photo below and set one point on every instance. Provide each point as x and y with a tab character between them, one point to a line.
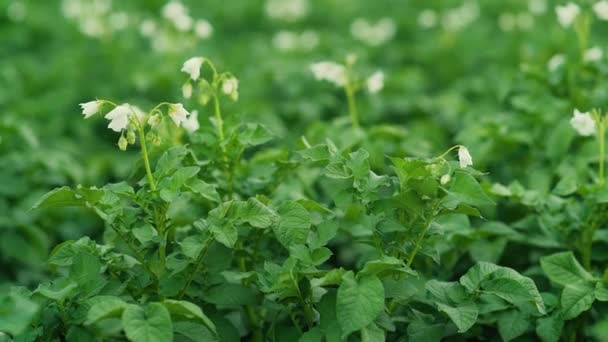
567	14
338	74
291	41
126	119
95	18
225	82
373	34
287	10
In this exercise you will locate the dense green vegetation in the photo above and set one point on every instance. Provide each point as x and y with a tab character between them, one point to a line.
303	170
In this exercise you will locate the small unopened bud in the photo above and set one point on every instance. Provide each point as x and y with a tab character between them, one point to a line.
131	137
154	120
155	140
445	179
122	143
187	90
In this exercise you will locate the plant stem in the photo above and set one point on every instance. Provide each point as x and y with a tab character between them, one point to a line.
218	117
410	259
352	105
601	141
144	152
251	314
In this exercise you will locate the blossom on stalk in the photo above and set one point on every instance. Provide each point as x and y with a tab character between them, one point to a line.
583	123
191	124
178	114
556	61
375	82
593	54
90	108
329	71
464	157
193	67
187	90
601	9
203	29
119	117
566	14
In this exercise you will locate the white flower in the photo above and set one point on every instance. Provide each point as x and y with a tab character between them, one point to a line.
566	14
147	28
187	90
593	54
203	29
601	9
537	7
119	117
329	71
555	62
464	157
285	40
90	108
139	114
583	123
191	124
183	23
427	19
193	67
375	82
173	10
178	114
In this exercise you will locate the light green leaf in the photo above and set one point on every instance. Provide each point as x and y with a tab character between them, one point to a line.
465	189
577	298
372	333
512	324
255	213
58	198
188	310
359	302
16	313
564	269
601	291
294	224
464	315
230	295
549	329
152	324
105	307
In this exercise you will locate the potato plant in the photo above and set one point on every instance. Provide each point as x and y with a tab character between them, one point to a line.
429	171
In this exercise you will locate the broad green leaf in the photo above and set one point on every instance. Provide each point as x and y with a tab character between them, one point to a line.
189	311
206	190
549	329
255	213
106	307
577	298
446	292
194	331
294	224
512	324
464	315
230	295
224	232
476	274
58	290
313	335
465	189
359	302
58	198
516	291
149	324
564	269
421	331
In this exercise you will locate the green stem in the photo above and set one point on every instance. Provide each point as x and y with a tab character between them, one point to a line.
352	105
251	314
218	117
601	142
144	152
410	259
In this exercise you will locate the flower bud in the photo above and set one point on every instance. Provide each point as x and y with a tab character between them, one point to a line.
154	120
445	179
122	143
131	137
187	90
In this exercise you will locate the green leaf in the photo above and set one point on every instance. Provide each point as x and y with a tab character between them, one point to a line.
512	324
465	189
16	313
601	292
206	190
255	213
476	274
230	295
59	198
464	315
294	224
372	333
549	329
105	307
224	232
421	331
577	298
564	269
190	311
152	324
359	302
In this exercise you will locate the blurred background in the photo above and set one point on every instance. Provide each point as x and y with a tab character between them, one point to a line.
494	75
